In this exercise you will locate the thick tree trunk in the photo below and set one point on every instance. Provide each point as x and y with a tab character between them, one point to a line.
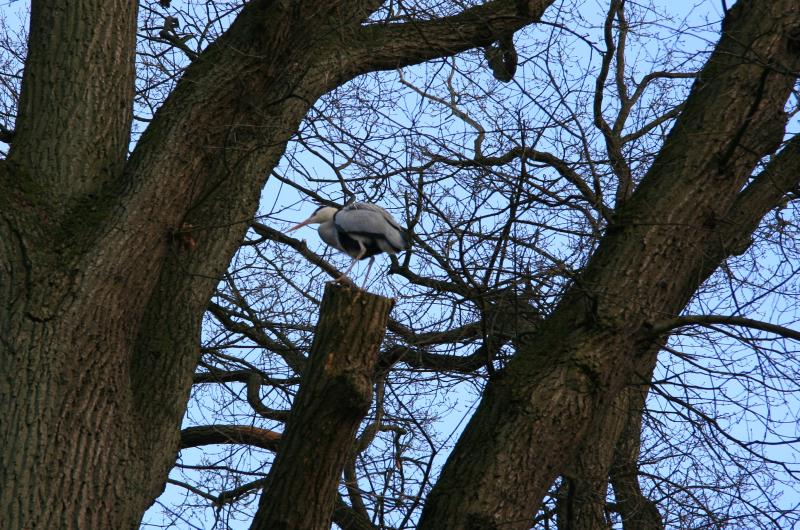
67	457
334	396
102	304
663	243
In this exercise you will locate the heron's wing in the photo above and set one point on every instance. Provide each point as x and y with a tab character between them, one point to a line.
369	207
370	220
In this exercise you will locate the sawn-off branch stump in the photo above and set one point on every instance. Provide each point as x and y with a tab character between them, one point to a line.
334	396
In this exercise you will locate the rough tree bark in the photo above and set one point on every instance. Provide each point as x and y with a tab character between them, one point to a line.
636	510
334	396
582	494
686	216
607	456
102	304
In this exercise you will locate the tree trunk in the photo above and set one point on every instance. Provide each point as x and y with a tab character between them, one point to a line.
663	243
334	396
67	457
582	502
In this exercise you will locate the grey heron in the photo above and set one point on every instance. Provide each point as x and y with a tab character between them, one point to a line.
361	230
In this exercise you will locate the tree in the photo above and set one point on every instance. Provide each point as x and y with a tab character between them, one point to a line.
110	257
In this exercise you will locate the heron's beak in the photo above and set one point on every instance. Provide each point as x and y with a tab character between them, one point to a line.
295	227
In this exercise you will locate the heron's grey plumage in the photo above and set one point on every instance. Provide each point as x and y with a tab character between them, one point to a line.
364	221
328	233
361	230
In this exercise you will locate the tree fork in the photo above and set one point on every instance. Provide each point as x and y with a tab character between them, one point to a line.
334	396
581	498
636	510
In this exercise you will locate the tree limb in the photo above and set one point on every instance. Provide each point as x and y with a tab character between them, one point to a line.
666	326
387	47
74	115
229	434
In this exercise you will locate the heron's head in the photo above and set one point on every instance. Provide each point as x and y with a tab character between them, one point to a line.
320	215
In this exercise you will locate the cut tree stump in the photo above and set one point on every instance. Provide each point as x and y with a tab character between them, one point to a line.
334	396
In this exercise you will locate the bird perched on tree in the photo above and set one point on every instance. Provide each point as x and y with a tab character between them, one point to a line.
361	230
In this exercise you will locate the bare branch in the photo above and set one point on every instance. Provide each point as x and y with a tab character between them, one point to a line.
229	434
666	326
387	47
